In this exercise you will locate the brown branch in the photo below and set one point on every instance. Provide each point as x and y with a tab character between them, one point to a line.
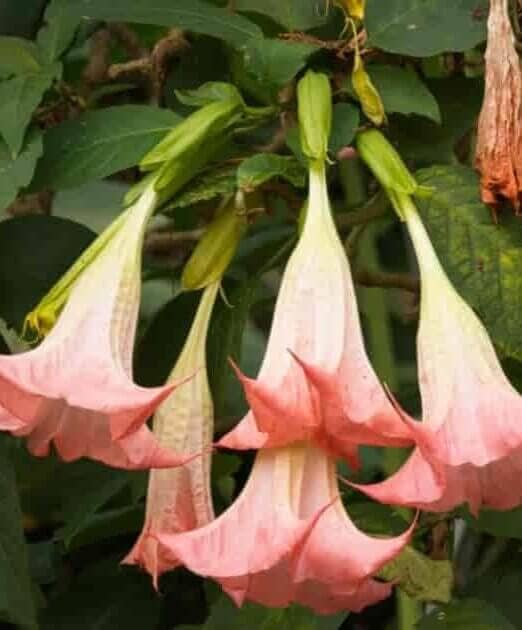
95	70
377	207
128	39
387	280
160	242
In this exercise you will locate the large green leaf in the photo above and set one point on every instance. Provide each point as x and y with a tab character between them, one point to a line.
345	121
506	524
298	15
58	32
426	142
191	15
258	169
100	143
466	614
422	28
20	20
19	97
272	63
482	259
501	588
105	597
224	614
53	245
18	56
16	604
85	508
419	576
403	92
17	173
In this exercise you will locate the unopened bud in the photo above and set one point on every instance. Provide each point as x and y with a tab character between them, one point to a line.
216	248
314	99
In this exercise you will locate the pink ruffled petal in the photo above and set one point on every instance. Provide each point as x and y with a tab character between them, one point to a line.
276	589
255	533
335	551
78	433
435	487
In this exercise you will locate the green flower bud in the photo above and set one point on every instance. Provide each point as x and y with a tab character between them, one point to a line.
207	122
216	248
314	100
386	164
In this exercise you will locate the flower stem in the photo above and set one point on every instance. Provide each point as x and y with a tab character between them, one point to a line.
409	611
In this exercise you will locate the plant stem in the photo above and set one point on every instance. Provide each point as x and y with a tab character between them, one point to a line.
409	611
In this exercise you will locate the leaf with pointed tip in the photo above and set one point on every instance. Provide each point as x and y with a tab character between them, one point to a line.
190	15
17	173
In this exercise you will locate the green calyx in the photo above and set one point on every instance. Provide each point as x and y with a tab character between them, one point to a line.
387	165
190	135
217	247
314	100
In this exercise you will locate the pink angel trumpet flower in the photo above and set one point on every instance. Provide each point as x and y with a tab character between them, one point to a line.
469	444
75	389
316	374
331	567
180	499
259	529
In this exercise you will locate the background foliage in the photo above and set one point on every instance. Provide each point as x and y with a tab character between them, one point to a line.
87	87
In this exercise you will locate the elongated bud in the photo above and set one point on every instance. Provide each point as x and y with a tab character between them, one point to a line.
386	164
207	122
216	248
364	88
314	100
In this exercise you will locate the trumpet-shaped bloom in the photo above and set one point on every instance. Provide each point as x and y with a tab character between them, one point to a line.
470	441
179	499
316	381
287	538
76	388
499	139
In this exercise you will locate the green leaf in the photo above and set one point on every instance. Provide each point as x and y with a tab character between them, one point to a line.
19	97
403	92
501	588
104	597
423	28
207	93
506	524
54	245
345	120
420	577
190	15
258	169
85	507
100	143
20	20
224	614
482	259
466	614
17	173
427	143
225	342
298	15
206	187
16	604
272	63
57	34
18	56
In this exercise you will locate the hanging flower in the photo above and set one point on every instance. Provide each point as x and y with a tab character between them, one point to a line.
470	439
180	499
287	538
76	389
499	141
316	382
